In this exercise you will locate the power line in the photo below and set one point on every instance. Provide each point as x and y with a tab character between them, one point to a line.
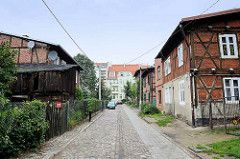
63	27
147	51
172	34
210	7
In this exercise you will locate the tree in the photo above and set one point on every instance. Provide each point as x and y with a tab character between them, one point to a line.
88	79
7	66
127	89
105	92
133	89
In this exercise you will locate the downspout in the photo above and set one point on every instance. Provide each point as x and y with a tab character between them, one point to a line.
191	87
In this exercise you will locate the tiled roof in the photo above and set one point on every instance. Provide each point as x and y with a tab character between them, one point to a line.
211	14
124	68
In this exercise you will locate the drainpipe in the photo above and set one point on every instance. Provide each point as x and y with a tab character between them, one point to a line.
191	87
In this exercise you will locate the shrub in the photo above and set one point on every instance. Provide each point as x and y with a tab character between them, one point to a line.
150	109
124	101
79	94
27	128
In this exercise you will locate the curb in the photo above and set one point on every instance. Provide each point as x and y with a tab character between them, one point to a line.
52	154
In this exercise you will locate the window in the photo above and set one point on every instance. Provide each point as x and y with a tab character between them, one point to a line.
167	66
149	97
168	95
148	79
144	82
231	88
158	72
180	55
112	74
228	45
181	93
120	81
144	97
76	76
160	97
120	96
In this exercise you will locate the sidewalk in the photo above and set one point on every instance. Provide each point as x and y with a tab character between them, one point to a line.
158	145
188	137
56	144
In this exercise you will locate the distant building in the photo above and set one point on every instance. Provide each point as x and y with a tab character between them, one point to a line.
103	71
118	75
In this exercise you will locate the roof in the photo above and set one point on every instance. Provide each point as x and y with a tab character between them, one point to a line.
29	68
62	53
122	68
138	71
176	37
147	71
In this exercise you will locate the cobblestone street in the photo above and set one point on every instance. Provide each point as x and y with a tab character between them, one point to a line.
111	136
114	136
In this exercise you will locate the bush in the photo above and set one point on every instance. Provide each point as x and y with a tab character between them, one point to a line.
78	94
27	129
150	109
124	101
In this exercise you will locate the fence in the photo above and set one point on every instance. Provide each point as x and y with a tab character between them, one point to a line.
63	116
222	113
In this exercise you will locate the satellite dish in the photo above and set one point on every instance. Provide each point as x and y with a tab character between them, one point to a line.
53	55
30	44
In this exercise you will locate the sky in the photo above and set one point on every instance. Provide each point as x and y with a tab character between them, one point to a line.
115	31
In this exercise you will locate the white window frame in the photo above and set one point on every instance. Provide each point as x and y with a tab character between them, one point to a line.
167	66
180	55
232	87
112	74
181	93
168	95
228	43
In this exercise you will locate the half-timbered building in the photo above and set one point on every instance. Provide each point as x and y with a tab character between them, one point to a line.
201	62
45	70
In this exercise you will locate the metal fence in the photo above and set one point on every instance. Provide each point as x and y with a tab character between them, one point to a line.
223	113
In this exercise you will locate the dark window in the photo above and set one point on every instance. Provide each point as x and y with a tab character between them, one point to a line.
35	82
159	75
149	97
148	79
160	97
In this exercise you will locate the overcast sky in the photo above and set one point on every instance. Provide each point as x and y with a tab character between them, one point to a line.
115	31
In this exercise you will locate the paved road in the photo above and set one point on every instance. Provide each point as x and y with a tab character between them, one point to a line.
120	134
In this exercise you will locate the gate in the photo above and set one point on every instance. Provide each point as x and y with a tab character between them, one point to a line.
221	113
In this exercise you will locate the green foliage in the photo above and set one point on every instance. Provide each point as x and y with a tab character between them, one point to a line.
24	128
124	101
93	104
88	79
105	92
127	89
78	94
75	114
230	148
167	119
7	66
150	109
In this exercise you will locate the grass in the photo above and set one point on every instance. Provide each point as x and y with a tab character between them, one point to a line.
200	147
230	148
163	120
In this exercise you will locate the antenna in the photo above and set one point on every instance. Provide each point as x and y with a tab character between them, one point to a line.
53	55
30	44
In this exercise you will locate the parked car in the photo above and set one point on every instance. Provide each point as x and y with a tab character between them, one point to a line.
111	105
119	102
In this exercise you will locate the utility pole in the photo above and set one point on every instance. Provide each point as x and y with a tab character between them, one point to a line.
140	95
100	83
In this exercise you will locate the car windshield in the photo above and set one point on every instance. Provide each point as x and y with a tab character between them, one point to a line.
111	103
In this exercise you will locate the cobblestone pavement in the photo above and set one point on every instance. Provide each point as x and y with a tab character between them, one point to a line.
111	136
